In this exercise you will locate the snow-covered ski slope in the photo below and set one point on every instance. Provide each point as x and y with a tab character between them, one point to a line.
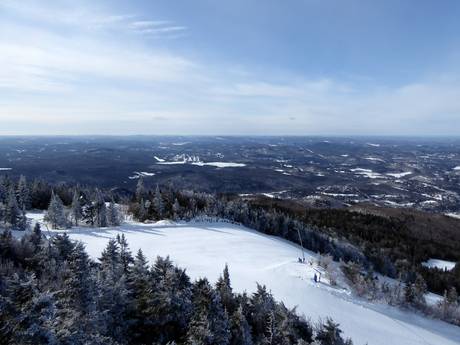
204	249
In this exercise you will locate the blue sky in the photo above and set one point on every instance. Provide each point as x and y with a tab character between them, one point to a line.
295	67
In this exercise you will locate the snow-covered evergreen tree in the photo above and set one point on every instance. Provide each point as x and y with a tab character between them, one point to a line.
76	209
126	257
12	211
56	213
113	215
158	203
176	208
240	329
23	193
100	210
140	189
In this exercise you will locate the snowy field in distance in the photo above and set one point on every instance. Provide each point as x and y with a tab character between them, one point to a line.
441	264
204	248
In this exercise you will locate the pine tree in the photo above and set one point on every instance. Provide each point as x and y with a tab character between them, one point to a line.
23	193
240	329
36	237
158	203
113	216
329	333
176	209
76	210
140	189
76	313
223	286
140	298
12	211
110	259
209	323
126	257
4	187
100	210
55	214
143	212
112	302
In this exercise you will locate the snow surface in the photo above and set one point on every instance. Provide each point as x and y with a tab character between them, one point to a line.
399	175
367	173
139	174
441	264
5	169
457	168
374	159
220	164
159	159
453	215
204	248
214	164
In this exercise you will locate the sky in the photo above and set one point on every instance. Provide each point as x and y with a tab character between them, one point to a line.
239	67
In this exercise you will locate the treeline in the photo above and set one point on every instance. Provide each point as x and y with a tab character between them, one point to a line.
52	293
65	205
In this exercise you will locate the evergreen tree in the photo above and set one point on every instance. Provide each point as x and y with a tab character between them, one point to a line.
209	324
56	214
63	246
113	216
140	298
100	210
112	302
23	193
329	333
224	288
176	209
110	259
76	300
76	210
240	329
140	189
12	212
126	258
158	203
4	187
143	213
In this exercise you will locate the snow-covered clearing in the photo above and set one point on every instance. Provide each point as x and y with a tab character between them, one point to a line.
457	168
367	173
453	215
399	175
139	174
441	264
220	164
212	164
374	159
204	248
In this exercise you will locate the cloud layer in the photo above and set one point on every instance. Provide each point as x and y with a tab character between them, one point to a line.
85	70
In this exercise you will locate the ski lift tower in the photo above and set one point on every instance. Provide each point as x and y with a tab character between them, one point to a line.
301	245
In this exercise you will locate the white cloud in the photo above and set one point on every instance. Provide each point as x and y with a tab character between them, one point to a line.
103	79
